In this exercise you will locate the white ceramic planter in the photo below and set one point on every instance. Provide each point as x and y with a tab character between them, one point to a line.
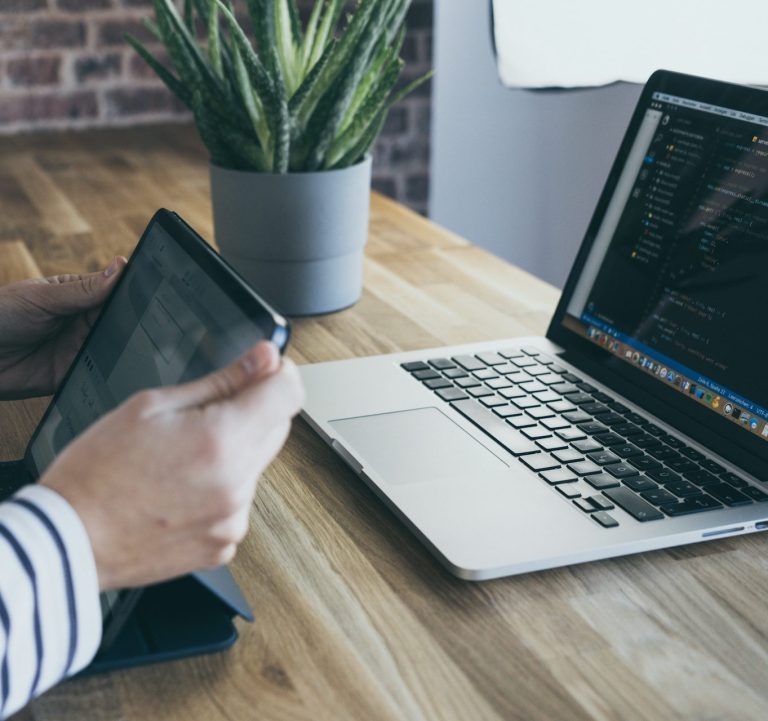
298	238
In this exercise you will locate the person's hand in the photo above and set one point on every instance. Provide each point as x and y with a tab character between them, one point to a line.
164	483
43	323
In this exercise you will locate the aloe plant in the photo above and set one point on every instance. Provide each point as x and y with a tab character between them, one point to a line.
301	98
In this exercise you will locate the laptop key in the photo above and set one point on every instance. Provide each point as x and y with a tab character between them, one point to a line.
540	412
438	383
507	411
701	477
523	362
697	504
659	496
645	440
451	394
584	505
626	450
602	481
479	392
548	397
593	428
682	488
603	458
692	453
571	378
555	424
728	495
540	462
602	397
672	442
513	393
530	350
605	519
621	470
469	362
521	421
663	475
664	453
533	387
491	359
682	465
712	466
755	494
525	402
468	382
564	388
611	418
578	398
562	406
577	417
595	409
600	502
733	479
639	509
455	373
627	429
511	353
536	432
586	387
442	363
497	383
550	379
587	445
426	375
640	483
493	401
644	463
414	366
609	439
536	371
516	443
558	475
485	374
551	444
584	468
569	490
568	455
570	434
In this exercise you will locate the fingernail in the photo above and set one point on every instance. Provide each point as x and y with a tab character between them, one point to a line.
112	268
249	363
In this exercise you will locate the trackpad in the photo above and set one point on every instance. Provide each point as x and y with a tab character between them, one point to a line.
416	445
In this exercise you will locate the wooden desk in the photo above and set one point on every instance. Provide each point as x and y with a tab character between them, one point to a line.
354	620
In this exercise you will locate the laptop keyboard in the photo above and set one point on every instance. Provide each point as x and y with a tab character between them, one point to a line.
595	451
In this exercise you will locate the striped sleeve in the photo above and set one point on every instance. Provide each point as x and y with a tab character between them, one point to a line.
50	615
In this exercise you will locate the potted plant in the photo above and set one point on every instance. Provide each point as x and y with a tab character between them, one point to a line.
289	122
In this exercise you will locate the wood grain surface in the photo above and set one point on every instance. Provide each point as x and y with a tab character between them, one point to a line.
354	620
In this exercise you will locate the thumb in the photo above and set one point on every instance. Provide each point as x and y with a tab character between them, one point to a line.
79	293
254	365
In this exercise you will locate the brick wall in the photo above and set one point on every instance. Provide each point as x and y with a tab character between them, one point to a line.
64	64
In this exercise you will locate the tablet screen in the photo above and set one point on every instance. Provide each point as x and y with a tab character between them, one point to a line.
166	323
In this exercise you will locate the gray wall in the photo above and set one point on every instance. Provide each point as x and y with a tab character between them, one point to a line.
515	171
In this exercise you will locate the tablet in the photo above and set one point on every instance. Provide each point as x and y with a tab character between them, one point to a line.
177	312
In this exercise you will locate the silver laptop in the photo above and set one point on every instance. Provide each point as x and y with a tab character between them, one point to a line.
641	420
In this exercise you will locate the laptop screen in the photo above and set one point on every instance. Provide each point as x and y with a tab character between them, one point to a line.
675	282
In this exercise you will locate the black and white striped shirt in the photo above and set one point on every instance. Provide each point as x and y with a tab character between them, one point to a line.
50	616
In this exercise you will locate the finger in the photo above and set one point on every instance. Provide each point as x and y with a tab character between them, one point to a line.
69	293
257	408
254	365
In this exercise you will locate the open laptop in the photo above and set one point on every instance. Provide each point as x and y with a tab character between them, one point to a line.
641	420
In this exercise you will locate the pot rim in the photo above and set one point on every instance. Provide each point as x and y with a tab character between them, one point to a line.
367	160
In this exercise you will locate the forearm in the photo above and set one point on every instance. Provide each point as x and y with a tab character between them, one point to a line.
50	619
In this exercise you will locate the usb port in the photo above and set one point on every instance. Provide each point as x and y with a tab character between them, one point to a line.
761	525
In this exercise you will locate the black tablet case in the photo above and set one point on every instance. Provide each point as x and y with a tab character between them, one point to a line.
187	616
183	617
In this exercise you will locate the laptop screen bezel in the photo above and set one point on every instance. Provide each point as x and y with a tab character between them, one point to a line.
701	423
